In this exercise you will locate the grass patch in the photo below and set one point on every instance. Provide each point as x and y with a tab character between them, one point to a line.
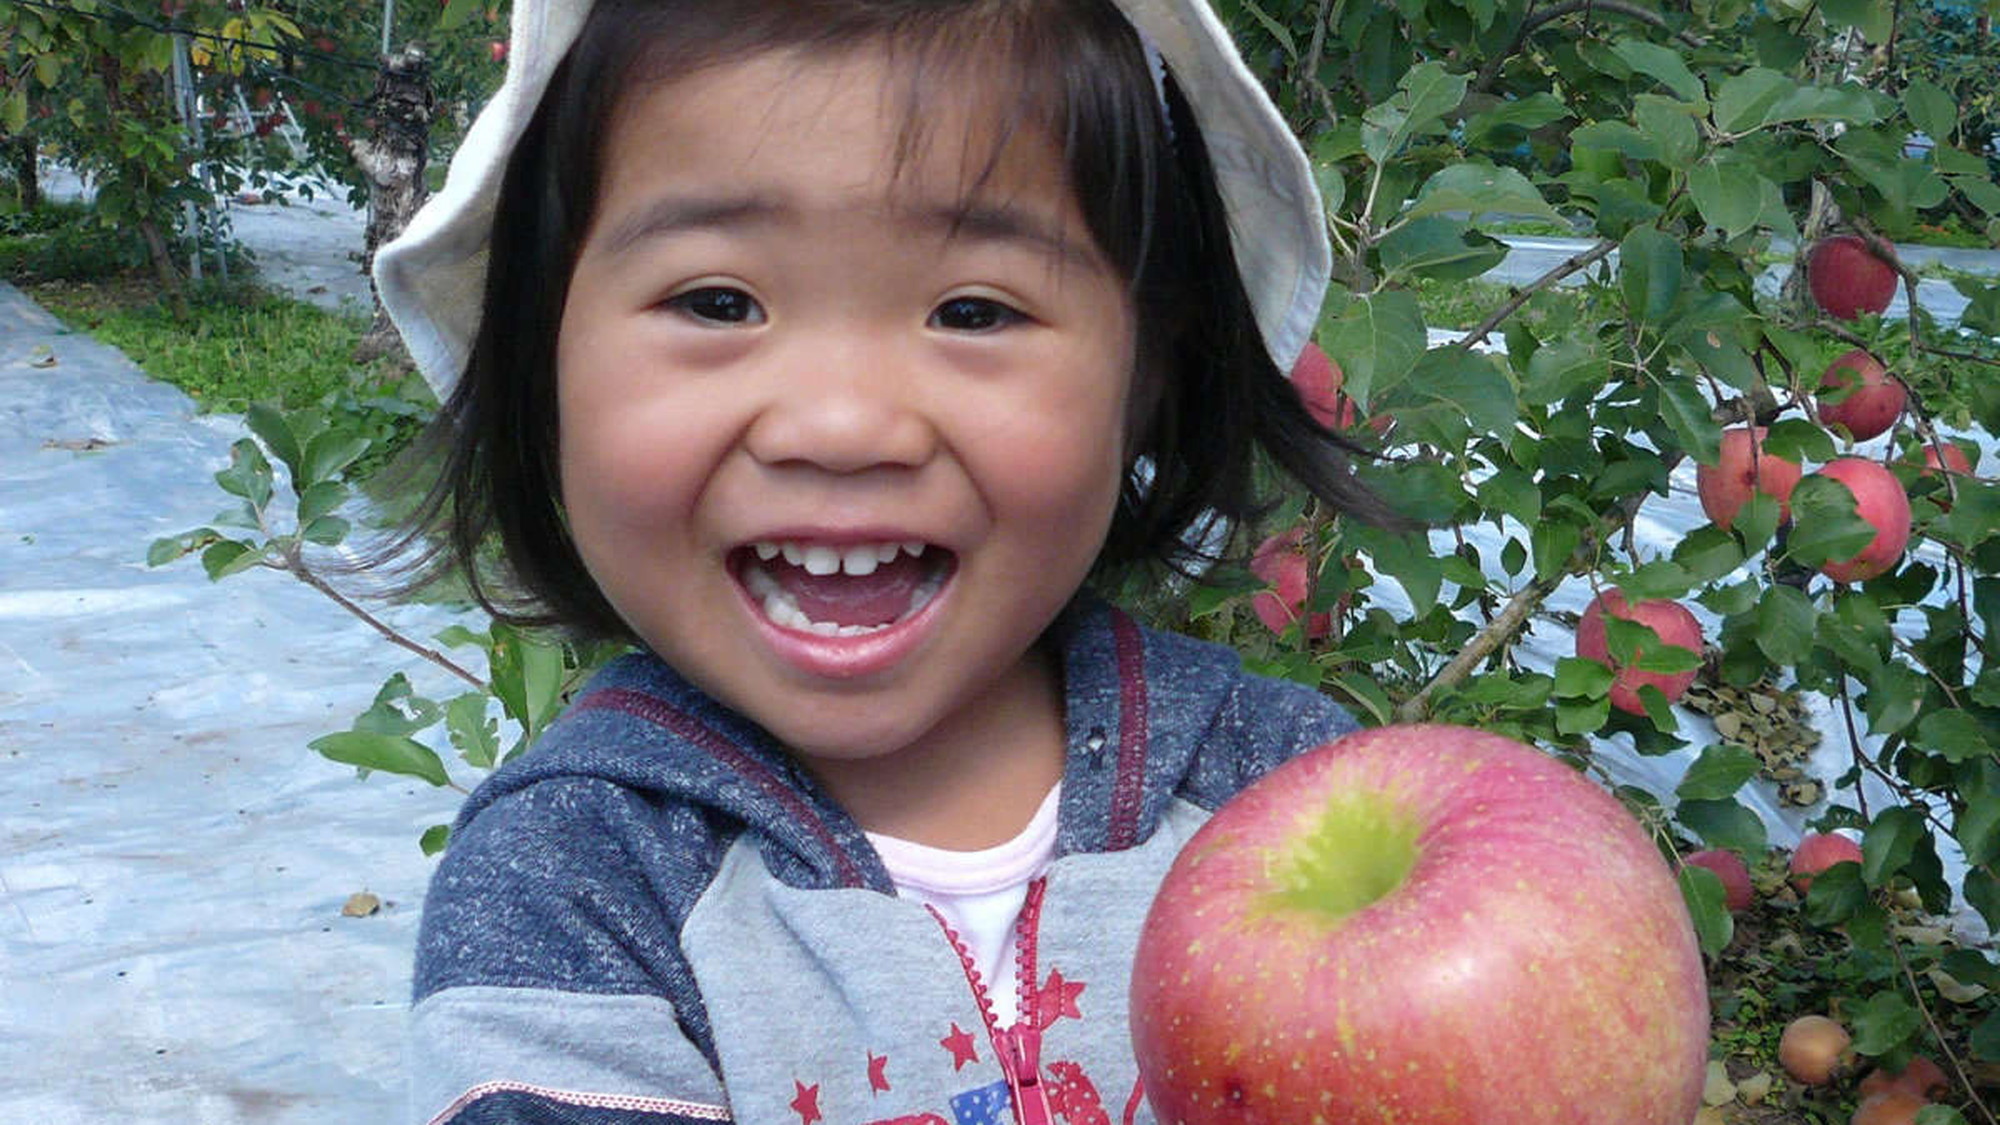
1459	305
236	345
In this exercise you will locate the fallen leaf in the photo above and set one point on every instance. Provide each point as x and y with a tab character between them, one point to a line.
361	904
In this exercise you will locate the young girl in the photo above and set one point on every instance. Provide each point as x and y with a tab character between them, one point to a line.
826	349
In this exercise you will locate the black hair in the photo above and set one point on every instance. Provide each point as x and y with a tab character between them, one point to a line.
1208	398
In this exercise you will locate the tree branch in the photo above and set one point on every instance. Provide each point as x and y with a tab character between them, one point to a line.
1521	296
1535	20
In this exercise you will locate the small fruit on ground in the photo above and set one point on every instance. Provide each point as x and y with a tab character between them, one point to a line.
1878	498
1847	278
1812	1048
1896	1107
1872	401
1737	890
1281	561
1428	924
1920	1077
1670	620
1818	851
1744	467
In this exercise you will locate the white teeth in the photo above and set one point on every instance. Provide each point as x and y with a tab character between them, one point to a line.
857	560
783	609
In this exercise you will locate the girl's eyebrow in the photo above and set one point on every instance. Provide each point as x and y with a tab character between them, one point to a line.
964	219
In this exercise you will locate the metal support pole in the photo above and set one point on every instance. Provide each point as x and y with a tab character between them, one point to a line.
184	103
388	21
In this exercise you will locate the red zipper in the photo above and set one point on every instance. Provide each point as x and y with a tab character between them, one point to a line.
1018	1048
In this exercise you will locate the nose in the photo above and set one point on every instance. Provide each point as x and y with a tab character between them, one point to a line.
844	407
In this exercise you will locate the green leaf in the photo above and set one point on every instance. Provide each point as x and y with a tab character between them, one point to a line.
1932	110
1884	1022
1895	698
1438	247
321	499
1552	542
1480	189
1577	678
1723	824
327	531
1718	773
14	111
456	12
269	424
387	753
1875	20
1825	526
1982	893
1708	906
229	556
1663	64
172	548
1890	842
1379	338
435	838
330	452
1785	624
1650	269
1669	127
1956	735
475	734
1408	559
248	474
1735	198
1569	368
1938	1115
1850	103
1744	101
1686	412
1836	894
1513	492
1426	93
1977	828
1707	553
1502	126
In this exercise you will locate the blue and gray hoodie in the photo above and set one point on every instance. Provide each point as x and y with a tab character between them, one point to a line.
657	918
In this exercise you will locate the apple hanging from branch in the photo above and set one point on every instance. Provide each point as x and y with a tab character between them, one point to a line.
1866	400
1745	467
1673	626
1880	500
1425	924
1281	561
1847	278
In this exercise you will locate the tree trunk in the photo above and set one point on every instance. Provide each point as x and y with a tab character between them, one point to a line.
26	172
163	266
393	158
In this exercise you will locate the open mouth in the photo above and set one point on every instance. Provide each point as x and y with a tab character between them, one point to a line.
841	591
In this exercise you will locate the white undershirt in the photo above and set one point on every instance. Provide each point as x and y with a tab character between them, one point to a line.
979	893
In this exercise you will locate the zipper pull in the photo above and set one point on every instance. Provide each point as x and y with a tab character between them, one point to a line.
1021	1061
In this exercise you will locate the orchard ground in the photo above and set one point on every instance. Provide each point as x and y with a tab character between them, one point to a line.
174	945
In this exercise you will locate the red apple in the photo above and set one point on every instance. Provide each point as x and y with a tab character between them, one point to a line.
1878	498
1847	279
1318	380
1737	891
1812	1048
1744	467
1670	620
1425	924
1818	851
1281	561
1950	457
1894	1107
1873	403
1920	1077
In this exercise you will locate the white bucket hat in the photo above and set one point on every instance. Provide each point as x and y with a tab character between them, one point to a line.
432	277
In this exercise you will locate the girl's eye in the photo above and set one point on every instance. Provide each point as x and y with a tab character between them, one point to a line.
974	314
718	305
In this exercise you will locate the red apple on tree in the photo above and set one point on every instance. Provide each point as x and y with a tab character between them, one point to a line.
1868	400
1318	380
1745	467
1281	561
1847	278
1670	621
1818	851
1427	924
1879	499
1737	891
1949	457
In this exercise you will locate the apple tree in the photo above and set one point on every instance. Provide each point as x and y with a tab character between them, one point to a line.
1553	443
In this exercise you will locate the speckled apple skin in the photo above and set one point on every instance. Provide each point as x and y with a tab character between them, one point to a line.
1879	498
1537	965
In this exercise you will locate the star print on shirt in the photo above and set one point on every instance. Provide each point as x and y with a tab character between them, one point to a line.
806	1102
878	1073
959	1043
1056	999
